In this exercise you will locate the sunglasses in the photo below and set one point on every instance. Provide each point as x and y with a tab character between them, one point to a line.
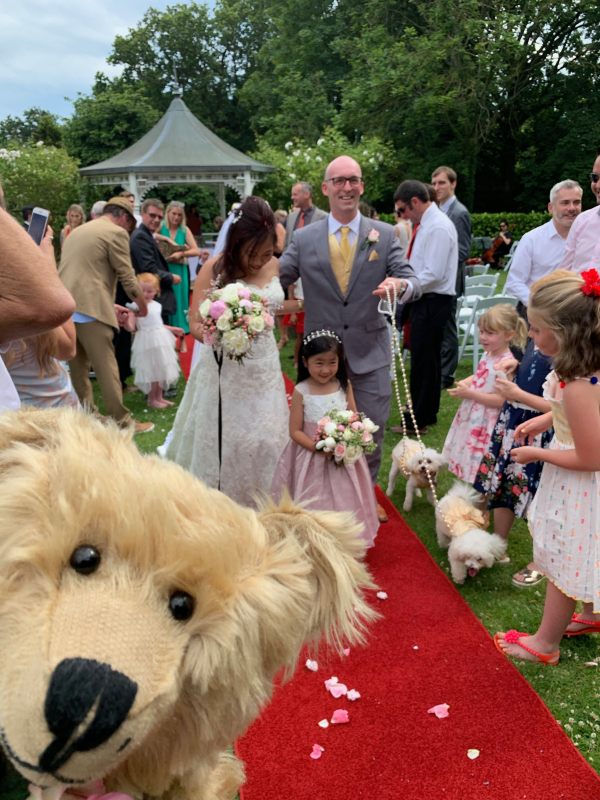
594	177
399	210
155	216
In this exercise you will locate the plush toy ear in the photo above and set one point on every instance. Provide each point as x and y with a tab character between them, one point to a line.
331	549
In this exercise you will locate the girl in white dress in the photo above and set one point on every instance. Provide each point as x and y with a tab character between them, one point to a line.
564	518
232	423
154	359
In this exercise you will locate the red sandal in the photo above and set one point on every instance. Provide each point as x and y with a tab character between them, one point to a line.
514	637
591	626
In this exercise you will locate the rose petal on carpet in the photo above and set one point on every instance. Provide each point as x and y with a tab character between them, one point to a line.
498	740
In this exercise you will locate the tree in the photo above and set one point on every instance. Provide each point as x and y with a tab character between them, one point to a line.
113	117
39	175
36	125
299	160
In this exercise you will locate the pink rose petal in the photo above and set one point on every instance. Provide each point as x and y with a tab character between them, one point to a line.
441	710
340	716
339	690
316	751
353	695
473	753
382	595
346	651
324	723
311	665
331	681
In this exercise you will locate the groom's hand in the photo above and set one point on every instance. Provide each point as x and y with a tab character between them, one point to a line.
387	286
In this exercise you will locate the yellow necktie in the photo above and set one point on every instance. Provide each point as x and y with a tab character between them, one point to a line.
345	244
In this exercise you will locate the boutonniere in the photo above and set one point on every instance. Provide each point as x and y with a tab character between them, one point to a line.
371	239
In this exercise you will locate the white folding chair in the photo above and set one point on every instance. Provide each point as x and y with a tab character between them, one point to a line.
482	306
481	280
509	257
476	269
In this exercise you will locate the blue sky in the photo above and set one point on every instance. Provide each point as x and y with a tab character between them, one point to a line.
51	49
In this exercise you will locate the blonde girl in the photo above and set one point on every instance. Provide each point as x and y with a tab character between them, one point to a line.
470	433
564	518
175	230
75	218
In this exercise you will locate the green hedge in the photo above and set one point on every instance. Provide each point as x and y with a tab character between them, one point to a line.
489	224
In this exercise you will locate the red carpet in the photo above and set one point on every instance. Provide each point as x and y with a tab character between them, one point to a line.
429	649
185	359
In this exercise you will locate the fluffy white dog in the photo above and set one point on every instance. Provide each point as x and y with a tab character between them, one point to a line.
413	462
459	526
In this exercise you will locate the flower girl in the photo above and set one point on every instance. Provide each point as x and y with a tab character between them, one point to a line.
153	356
310	475
471	430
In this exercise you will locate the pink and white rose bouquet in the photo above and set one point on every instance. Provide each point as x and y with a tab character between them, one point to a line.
233	317
346	435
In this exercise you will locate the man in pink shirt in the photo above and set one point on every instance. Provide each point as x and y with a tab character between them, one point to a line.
582	250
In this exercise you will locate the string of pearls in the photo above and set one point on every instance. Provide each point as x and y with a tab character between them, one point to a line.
388	308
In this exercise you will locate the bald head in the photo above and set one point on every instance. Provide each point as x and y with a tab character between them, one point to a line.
343	187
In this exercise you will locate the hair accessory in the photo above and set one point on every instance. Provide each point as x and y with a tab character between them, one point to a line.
317	334
591	282
237	214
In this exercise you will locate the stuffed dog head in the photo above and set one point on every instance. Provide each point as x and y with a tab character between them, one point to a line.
144	616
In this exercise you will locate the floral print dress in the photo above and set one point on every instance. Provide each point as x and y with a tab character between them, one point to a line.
471	430
508	484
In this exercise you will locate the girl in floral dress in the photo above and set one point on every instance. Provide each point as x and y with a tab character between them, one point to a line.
564	518
471	430
511	486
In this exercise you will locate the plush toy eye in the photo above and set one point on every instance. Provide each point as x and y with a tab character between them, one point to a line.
181	605
85	559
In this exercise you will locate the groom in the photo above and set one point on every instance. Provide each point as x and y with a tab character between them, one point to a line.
345	262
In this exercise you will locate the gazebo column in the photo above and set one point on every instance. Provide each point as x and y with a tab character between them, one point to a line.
221	199
133	188
248	185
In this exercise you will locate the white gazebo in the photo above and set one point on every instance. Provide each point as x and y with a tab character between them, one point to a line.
179	149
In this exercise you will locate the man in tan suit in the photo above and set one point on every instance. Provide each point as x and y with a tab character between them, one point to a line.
92	262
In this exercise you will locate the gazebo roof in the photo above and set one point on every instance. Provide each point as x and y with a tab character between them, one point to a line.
178	142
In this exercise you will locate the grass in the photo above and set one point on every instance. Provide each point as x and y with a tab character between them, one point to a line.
571	690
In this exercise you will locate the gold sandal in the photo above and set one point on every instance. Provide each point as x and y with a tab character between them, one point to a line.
528	577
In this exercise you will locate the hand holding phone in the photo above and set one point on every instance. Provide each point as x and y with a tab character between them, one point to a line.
38	223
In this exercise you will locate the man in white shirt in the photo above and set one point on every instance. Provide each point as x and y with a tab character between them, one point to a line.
583	242
541	250
434	258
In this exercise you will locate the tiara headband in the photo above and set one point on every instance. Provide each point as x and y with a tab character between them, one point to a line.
318	334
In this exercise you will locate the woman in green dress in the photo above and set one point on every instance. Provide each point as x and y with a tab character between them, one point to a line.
176	232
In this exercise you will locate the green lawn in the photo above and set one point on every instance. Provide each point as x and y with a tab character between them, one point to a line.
571	690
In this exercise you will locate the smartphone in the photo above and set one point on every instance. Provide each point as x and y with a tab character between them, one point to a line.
38	223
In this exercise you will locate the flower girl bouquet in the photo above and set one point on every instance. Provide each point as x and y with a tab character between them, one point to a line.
346	435
233	318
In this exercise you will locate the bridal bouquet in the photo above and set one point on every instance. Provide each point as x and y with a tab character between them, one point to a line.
346	435
233	317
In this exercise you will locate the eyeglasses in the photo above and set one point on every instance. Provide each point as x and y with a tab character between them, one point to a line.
154	215
594	177
354	180
399	210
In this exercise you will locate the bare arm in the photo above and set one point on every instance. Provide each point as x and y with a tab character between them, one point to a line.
202	286
32	297
488	399
350	398
64	345
297	423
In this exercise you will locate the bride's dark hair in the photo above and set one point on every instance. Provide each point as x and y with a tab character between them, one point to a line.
253	224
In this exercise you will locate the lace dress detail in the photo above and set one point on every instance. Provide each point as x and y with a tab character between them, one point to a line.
315	481
254	416
564	517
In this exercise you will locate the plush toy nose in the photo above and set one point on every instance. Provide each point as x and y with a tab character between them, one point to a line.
86	702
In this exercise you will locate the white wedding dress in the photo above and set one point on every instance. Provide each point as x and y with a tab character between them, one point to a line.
254	416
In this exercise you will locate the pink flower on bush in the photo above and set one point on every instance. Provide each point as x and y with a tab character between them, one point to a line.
217	309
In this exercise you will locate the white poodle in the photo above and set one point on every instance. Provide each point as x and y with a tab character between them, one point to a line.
459	526
410	459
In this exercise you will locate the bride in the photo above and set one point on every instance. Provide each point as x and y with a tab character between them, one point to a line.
232	423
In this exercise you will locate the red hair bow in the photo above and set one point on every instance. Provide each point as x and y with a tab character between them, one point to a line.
591	282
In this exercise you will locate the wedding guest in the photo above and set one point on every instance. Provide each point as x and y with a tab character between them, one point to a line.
75	218
175	229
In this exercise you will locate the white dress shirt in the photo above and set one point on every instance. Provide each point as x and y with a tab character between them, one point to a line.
583	242
539	252
434	254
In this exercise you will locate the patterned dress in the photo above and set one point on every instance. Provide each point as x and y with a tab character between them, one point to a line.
508	484
564	517
471	430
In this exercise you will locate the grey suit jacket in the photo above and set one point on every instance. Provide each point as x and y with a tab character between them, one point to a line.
354	317
461	218
290	223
